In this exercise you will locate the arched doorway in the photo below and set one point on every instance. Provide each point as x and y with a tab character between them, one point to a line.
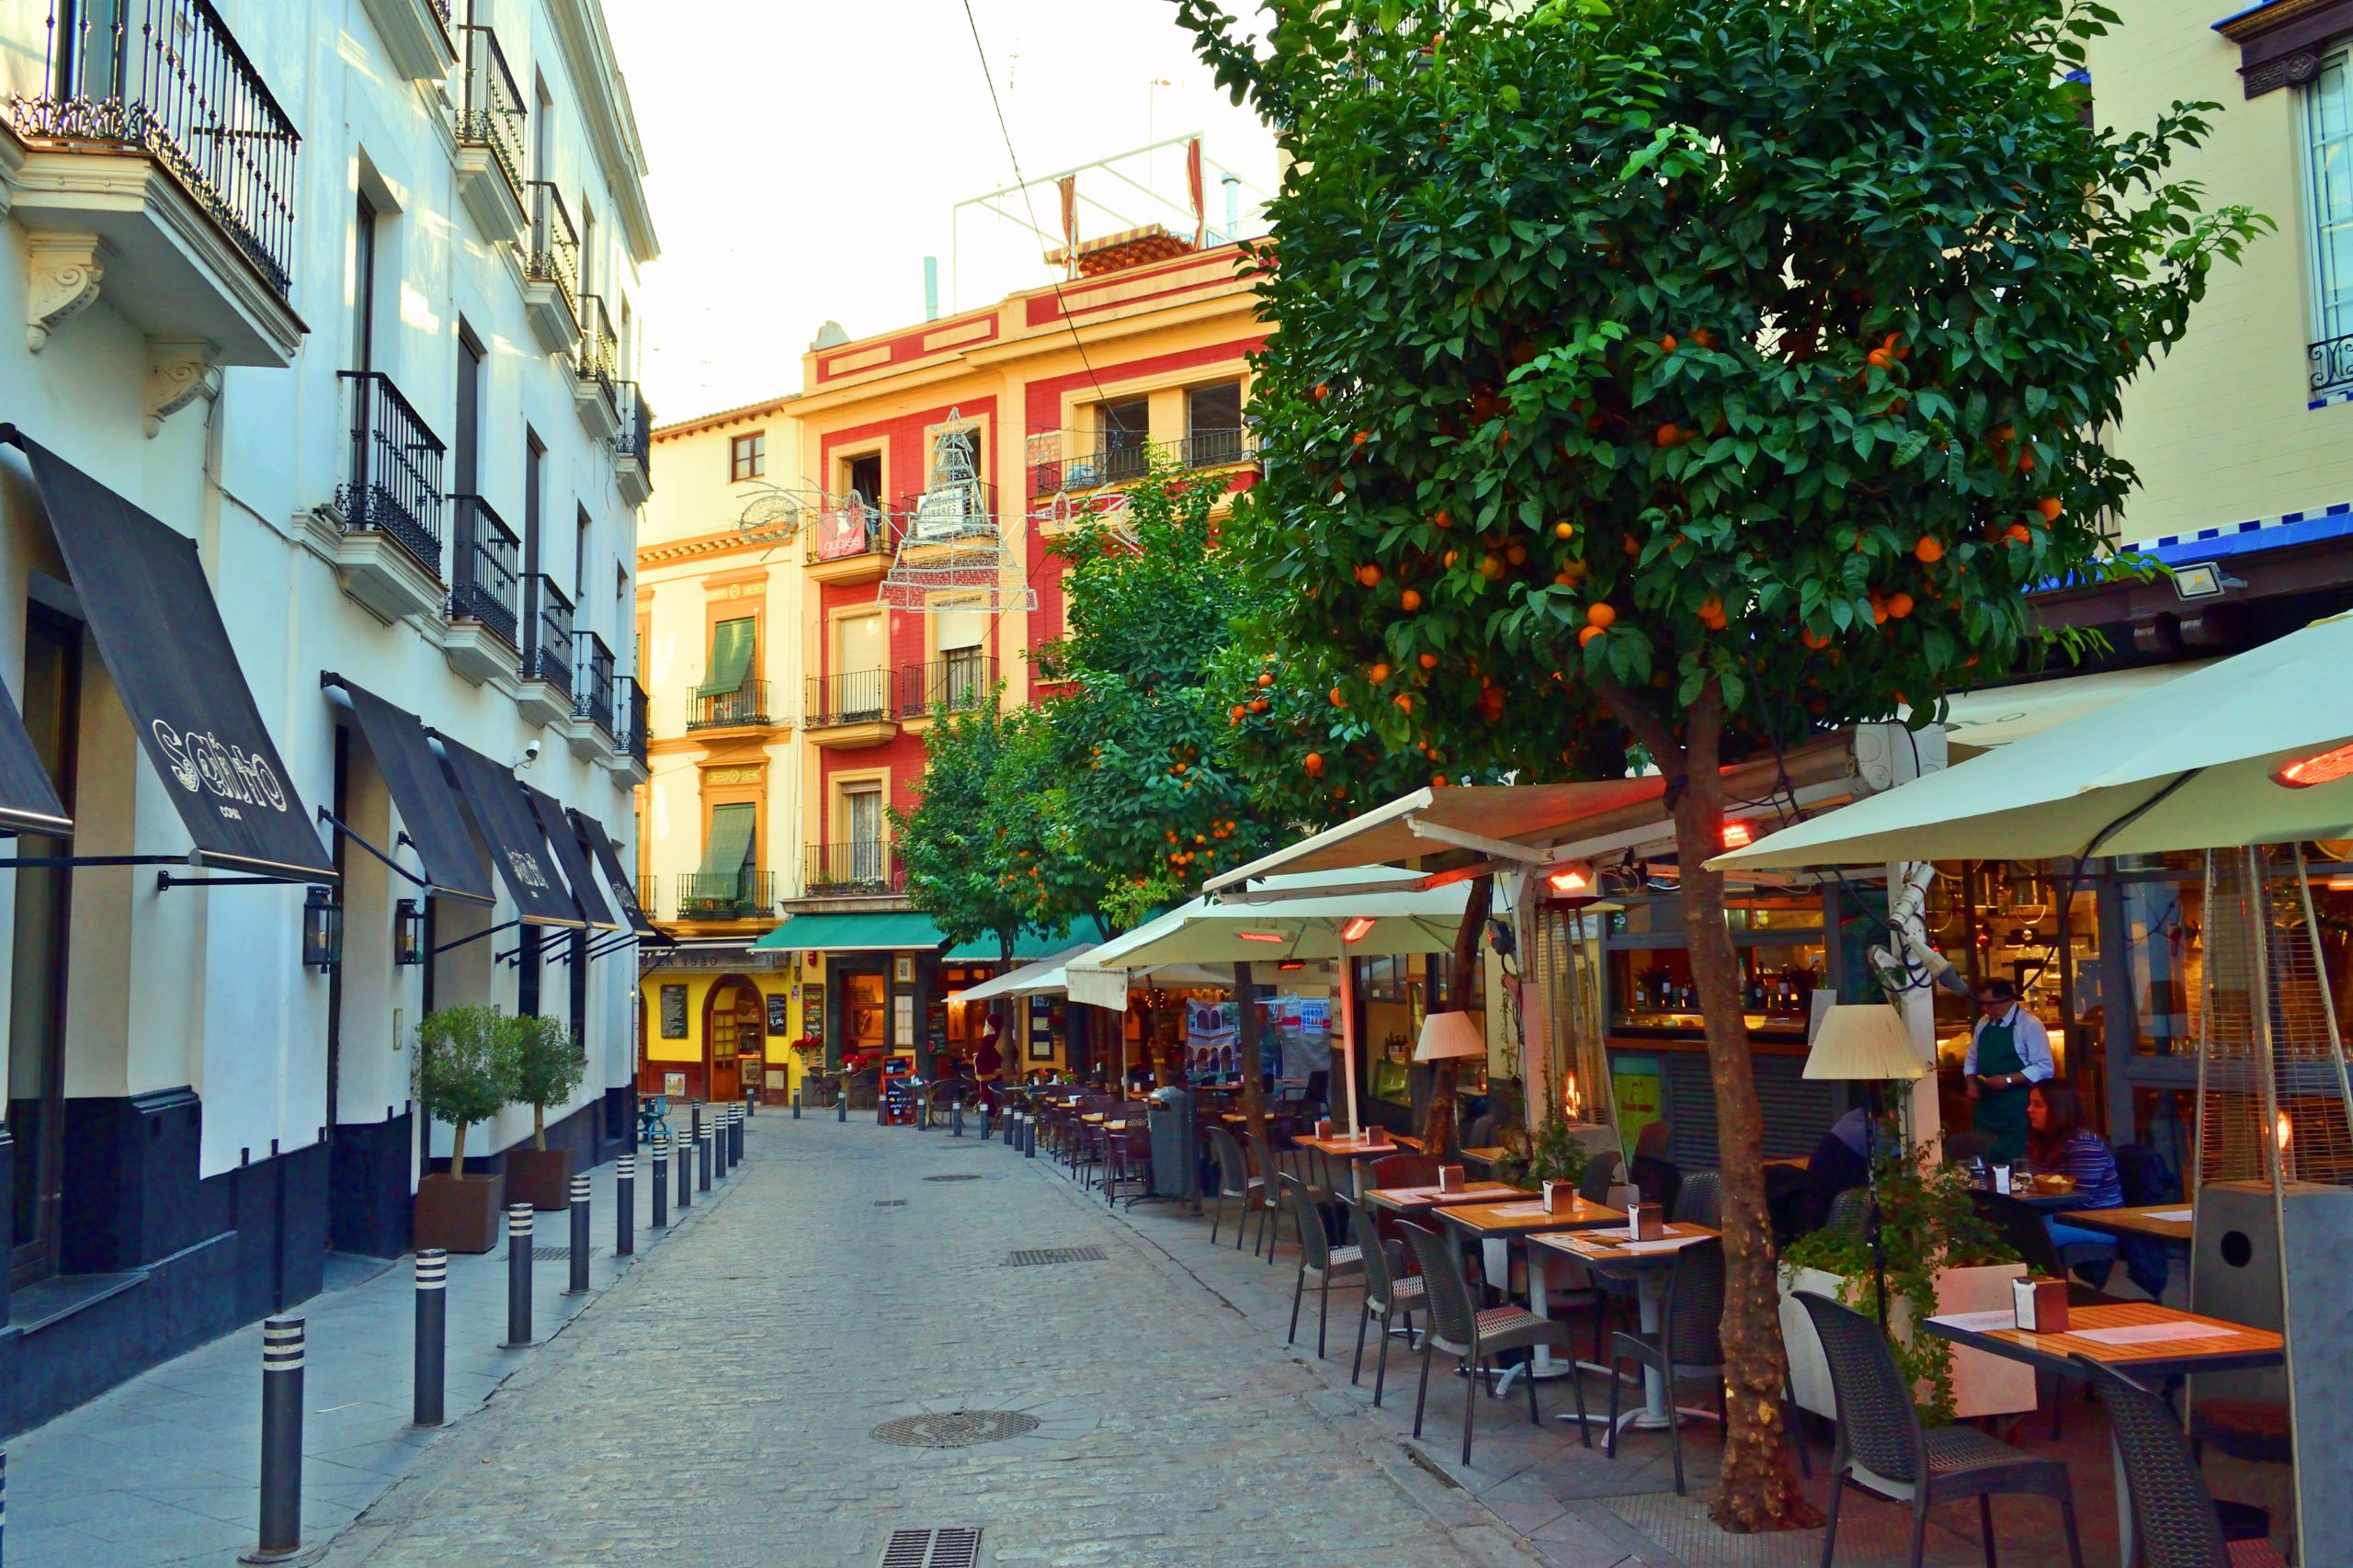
734	1039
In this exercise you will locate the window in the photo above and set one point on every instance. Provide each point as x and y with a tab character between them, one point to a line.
862	686
1213	425
865	475
862	816
962	679
747	456
2328	212
726	695
1123	453
363	287
580	559
730	851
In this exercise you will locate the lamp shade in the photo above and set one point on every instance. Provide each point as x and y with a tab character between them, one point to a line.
1447	1036
1867	1042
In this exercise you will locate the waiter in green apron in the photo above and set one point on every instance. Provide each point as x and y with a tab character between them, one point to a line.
2009	1052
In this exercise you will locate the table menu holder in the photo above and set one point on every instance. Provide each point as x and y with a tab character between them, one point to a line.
1560	1198
1376	1137
1323	1127
2040	1303
1645	1222
1450	1178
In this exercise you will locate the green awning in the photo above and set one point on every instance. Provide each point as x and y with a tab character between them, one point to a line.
729	844
731	658
1029	945
892	932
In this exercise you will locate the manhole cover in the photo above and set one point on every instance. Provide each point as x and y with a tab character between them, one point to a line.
955	1428
956	1176
890	1203
1033	1257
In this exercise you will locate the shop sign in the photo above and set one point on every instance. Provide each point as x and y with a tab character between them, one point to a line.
1639	1088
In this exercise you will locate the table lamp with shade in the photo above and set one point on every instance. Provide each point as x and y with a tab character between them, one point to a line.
1868	1043
1446	1038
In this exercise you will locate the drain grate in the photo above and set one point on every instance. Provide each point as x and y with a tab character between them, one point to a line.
955	1428
890	1203
952	1547
1034	1257
956	1176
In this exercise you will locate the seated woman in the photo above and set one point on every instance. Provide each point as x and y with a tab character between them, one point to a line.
2059	1143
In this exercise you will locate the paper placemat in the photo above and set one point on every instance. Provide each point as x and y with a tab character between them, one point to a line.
2153	1332
1979	1322
2179	1216
1666	1245
1518	1210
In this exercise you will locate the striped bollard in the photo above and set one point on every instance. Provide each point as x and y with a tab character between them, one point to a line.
742	1115
841	1102
985	1121
751	1101
686	1177
1028	1136
520	1239
432	1335
625	1206
702	1159
719	1147
661	1181
578	1250
956	1120
281	1442
795	1105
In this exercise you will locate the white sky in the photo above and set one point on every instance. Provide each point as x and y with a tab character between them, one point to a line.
806	157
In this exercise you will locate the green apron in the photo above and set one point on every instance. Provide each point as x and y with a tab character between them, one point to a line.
2001	1113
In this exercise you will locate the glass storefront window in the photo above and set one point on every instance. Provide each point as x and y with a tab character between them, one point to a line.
2161	922
1652	990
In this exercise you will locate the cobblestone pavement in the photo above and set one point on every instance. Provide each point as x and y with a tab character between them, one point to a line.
715	1406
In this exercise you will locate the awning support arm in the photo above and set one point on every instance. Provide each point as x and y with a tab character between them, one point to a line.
166	881
63	861
1497	848
343	828
614	944
477	936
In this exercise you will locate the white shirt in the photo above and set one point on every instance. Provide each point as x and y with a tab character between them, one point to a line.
2033	1043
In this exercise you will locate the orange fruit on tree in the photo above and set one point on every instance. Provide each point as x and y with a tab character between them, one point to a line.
1601	613
1313	763
1405	700
1258	705
2049	508
2018	533
1667	342
1321	391
1898	605
1442	519
1429	661
1450	558
1517	553
1711	609
1564	529
1361	437
1369	574
1237	714
1266	678
1380	674
1588	635
1491	566
1929	551
1813	640
1338	700
1668	434
1410	600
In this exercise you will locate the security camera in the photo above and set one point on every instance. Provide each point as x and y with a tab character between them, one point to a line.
531	755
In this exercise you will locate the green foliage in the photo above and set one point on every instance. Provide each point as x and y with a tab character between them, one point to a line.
547	1065
1926	1224
465	1068
1556	1155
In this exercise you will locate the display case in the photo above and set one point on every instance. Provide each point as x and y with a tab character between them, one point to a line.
1650	994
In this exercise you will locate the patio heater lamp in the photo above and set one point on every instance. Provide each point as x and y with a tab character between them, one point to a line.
321	930
408	932
1871	1044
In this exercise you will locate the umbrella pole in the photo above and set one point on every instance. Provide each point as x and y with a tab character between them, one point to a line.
1348	1038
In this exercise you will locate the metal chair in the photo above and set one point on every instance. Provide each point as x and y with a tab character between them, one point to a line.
1600	1175
1700	1200
1688	1344
1473	1335
1318	1260
2175	1518
1233	1180
1883	1449
1271	1164
1389	1291
1608	1292
1127	1152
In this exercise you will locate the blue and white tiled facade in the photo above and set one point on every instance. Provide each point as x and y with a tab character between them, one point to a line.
2332	521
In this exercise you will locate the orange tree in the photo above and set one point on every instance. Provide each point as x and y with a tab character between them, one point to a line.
1690	378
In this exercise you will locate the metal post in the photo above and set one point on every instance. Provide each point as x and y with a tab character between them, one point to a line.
1028	1136
281	1441
735	1147
795	1105
520	1239
719	1146
624	1204
432	1334
841	1102
956	1120
579	1248
702	1159
985	1121
661	1181
751	1101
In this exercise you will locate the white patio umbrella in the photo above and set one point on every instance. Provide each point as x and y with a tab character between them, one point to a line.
2196	764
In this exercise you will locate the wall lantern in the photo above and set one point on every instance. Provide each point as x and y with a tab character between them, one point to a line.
408	932
321	930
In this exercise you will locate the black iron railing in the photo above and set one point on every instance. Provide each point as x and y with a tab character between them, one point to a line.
547	640
592	680
862	866
853	697
747	704
2332	359
635	437
846	531
726	895
599	350
554	254
166	78
1217	449
491	113
483	582
1119	457
632	726
957	682
393	484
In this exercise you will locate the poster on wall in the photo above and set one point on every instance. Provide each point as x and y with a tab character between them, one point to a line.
673	1012
1636	1082
1041	1028
1212	1039
674	1086
779	1015
1304	1028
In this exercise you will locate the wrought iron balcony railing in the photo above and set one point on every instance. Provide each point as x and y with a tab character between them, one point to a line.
958	683
1218	449
635	438
599	350
483	581
393	484
546	641
554	253
862	867
747	704
2332	366
726	895
630	712
853	697
592	680
1078	459
166	78
492	111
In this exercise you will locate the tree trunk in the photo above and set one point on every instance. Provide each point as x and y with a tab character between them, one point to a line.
457	1150
539	1128
1439	1122
1246	1019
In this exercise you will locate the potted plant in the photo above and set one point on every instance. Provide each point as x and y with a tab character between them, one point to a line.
548	1071
464	1072
1940	1257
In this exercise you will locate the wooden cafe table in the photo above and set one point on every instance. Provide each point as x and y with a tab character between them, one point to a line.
1495	1225
1355	1149
2168	1223
1648	1262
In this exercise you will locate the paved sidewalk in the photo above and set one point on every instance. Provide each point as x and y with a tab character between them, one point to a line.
167	1468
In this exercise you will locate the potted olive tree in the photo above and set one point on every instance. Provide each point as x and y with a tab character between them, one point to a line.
548	1071
464	1072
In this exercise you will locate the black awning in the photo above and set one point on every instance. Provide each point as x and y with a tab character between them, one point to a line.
503	819
567	845
29	801
429	813
600	844
161	634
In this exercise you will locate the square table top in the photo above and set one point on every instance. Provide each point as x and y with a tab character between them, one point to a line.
1344	1146
2235	1347
1413	1199
2147	1219
1525	1218
1595	1246
1486	1157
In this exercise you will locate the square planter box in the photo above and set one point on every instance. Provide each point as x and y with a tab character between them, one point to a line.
460	1213
541	1178
1982	1384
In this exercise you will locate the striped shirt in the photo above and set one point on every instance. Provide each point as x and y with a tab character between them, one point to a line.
2087	1157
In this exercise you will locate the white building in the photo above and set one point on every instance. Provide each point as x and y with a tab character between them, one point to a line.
340	295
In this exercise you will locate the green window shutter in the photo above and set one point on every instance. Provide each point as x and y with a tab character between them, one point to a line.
731	658
728	849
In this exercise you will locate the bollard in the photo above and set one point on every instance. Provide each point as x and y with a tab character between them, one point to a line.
795	1105
702	1159
751	1101
841	1103
956	1120
686	1179
578	1250
985	1121
735	1144
432	1334
719	1147
281	1442
1012	1120
1028	1136
625	1206
661	1181
519	1240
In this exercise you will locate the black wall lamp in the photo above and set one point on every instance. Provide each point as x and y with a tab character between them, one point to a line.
322	929
408	932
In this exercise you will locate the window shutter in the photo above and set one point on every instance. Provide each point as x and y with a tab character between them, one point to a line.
731	658
728	849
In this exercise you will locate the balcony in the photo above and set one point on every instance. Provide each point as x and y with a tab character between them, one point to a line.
594	393
592	698
746	706
1123	460
491	139
416	35
551	271
727	895
953	684
1217	449
481	643
630	730
382	534
633	448
861	868
850	542
851	710
546	668
160	170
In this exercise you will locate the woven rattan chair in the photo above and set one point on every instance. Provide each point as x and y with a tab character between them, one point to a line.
2173	1517
1700	1200
1688	1344
1318	1195
1883	1449
1318	1260
1460	1330
1233	1180
1389	1292
1607	1292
